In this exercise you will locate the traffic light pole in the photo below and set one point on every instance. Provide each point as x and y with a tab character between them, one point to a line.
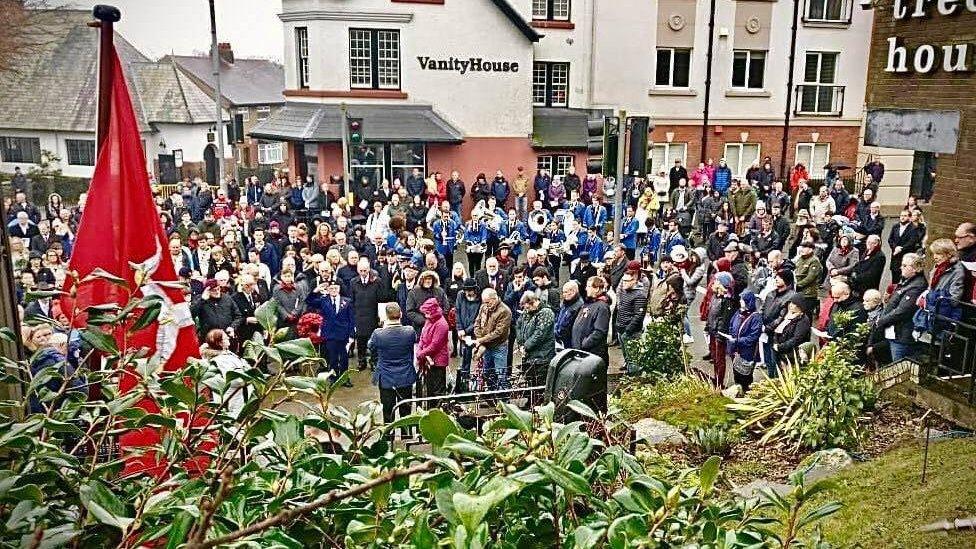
621	174
346	175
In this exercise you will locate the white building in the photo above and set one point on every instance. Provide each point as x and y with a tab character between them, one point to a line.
482	85
48	104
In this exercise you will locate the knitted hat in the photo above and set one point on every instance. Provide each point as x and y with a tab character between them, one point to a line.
726	280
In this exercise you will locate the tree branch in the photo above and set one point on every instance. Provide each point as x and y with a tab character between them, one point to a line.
331	497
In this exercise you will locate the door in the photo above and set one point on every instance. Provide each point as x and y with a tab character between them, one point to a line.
168	172
210	158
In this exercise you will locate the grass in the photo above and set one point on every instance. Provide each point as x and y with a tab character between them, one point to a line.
885	503
684	402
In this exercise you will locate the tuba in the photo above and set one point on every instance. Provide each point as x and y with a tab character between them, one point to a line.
537	221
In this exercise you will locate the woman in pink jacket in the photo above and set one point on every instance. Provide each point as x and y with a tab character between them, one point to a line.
433	350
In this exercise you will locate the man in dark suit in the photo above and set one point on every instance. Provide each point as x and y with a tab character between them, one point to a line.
867	272
366	292
248	299
338	325
492	276
903	239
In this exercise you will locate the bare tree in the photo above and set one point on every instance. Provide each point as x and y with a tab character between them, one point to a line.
25	25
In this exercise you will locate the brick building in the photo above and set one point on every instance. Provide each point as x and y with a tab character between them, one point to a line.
920	102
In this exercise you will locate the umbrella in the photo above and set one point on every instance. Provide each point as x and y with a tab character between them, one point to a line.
837	166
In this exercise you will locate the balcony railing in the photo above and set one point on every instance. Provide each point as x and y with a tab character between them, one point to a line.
832	12
819	100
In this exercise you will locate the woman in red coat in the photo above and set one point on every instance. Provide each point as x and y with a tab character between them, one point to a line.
433	350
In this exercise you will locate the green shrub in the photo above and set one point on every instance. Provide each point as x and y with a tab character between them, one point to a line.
686	402
714	440
817	406
659	351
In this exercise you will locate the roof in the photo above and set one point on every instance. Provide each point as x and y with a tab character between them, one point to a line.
555	128
322	123
54	88
517	20
167	95
243	82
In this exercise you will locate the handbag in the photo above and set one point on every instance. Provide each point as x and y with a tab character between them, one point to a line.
452	318
743	367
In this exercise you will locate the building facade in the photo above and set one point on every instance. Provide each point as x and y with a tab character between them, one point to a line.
921	114
483	85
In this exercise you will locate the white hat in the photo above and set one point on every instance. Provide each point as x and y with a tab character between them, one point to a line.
679	253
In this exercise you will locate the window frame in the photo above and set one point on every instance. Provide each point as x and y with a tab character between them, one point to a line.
375	60
668	157
671	64
88	143
6	145
301	56
550	10
843	18
742	168
750	54
809	160
555	164
818	96
262	109
264	149
245	113
385	165
548	86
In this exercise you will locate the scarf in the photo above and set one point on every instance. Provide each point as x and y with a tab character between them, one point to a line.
937	273
288	286
844	250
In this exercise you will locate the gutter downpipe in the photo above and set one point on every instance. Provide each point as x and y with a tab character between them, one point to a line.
789	91
708	81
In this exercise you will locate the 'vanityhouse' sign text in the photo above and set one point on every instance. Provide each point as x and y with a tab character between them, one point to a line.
465	66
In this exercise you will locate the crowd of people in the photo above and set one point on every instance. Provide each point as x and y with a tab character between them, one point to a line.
401	277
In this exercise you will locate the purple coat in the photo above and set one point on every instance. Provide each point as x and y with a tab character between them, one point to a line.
433	336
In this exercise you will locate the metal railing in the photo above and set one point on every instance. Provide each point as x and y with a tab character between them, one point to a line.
819	100
952	366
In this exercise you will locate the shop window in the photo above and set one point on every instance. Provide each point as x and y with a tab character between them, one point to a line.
813	155
555	164
24	150
740	156
301	55
404	157
663	155
550	84
270	153
673	66
81	152
378	161
374	59
551	10
748	69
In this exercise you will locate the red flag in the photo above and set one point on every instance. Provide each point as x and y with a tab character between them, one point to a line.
120	233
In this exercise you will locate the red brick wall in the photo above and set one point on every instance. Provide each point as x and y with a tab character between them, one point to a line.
843	141
955	193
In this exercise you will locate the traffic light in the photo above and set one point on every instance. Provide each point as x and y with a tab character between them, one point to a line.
355	126
601	144
640	128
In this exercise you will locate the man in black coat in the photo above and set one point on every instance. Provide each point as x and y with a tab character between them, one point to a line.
867	272
716	242
590	333
247	300
366	291
895	321
903	239
216	311
844	303
678	172
492	276
583	270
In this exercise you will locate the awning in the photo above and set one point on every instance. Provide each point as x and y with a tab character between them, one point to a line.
554	128
323	123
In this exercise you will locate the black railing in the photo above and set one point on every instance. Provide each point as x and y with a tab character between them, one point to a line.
819	100
952	368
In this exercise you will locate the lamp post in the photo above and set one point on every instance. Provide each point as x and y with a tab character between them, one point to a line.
220	133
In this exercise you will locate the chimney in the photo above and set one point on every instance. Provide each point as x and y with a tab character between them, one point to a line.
225	52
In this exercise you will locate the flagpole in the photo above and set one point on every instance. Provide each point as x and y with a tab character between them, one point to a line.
106	17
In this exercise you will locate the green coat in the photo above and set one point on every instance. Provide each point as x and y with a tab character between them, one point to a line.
743	203
807	275
534	331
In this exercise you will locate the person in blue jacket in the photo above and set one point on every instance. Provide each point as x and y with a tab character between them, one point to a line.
541	185
500	188
446	231
338	325
591	243
743	340
671	238
475	241
515	231
595	215
415	184
575	205
723	178
652	250
628	233
467	305
392	349
535	237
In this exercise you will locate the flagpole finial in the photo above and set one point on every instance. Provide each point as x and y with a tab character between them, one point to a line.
104	12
